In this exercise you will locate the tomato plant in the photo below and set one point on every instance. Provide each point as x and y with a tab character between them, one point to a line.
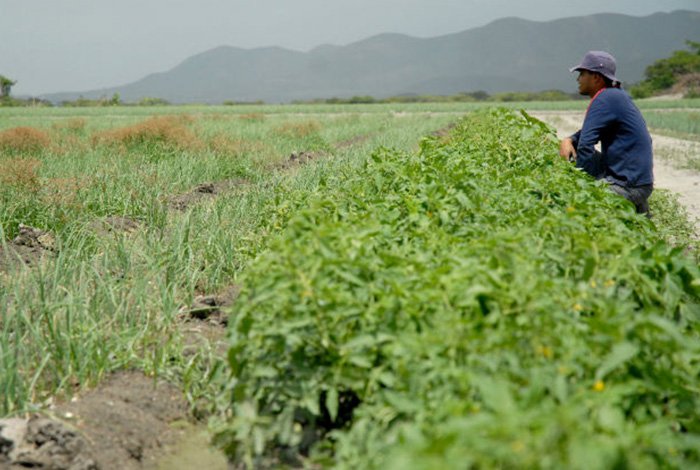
481	303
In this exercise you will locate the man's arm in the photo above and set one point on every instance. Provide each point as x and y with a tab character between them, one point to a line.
600	116
567	149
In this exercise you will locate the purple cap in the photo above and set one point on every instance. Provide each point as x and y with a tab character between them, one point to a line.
598	61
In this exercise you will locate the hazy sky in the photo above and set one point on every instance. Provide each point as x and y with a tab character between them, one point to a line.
76	45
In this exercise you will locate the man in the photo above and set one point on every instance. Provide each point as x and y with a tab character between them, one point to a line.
612	119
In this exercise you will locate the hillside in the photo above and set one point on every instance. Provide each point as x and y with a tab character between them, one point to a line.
506	55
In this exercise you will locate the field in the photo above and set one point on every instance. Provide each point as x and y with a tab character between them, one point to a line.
394	283
685	123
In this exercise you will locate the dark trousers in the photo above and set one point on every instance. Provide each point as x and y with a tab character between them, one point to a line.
638	195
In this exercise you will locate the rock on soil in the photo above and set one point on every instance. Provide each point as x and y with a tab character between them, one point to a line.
115	224
122	424
357	140
29	247
445	131
203	191
212	308
204	322
297	159
43	443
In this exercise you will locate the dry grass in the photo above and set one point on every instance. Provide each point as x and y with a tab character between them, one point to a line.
23	140
69	143
73	125
298	129
20	174
224	145
63	191
688	85
169	131
219	117
254	117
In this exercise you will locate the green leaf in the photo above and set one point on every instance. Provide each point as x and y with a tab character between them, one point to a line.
332	403
619	355
496	394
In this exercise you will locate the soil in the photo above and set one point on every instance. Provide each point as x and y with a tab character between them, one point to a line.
29	248
683	182
204	322
124	423
445	131
297	159
109	225
357	140
203	191
211	308
129	421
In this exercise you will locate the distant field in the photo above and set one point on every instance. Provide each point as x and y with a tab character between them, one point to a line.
103	115
681	122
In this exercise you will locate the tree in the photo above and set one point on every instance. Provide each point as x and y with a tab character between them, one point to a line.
6	86
664	73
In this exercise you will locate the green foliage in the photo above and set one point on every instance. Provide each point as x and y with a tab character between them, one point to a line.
111	298
550	95
464	97
6	85
81	102
673	221
664	73
481	304
685	123
242	103
149	101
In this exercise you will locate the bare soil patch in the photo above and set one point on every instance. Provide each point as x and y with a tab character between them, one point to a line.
204	322
297	159
357	140
29	248
445	131
43	443
211	308
115	224
202	192
124	423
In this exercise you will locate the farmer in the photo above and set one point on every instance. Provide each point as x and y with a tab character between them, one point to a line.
612	119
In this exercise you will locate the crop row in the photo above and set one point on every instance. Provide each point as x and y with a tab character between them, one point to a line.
130	240
478	304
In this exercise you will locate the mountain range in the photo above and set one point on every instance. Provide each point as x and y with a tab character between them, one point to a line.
509	54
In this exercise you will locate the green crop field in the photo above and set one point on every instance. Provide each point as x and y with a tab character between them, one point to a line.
132	234
684	123
408	298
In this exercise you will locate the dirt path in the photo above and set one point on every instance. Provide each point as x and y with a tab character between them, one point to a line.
667	150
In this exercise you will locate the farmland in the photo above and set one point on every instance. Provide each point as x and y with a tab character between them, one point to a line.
399	290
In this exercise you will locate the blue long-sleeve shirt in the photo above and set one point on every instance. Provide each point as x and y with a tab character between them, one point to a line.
614	121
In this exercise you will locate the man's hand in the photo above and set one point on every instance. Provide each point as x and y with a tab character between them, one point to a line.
567	150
